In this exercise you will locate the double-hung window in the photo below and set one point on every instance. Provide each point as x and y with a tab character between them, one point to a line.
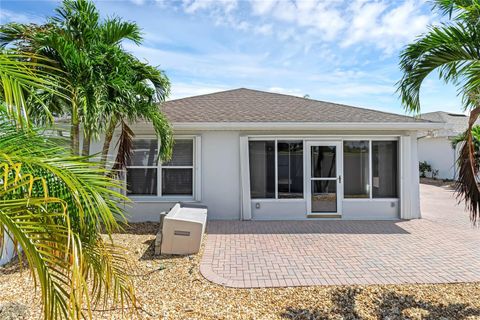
146	176
276	169
370	168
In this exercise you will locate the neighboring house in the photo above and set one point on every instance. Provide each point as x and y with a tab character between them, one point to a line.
8	251
249	154
435	146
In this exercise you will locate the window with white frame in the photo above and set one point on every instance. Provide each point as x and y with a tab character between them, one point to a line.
370	169
276	169
146	176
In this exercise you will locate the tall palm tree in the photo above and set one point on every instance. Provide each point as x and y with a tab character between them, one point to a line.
89	52
453	50
53	204
137	90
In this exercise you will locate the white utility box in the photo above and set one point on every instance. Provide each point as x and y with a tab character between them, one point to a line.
182	230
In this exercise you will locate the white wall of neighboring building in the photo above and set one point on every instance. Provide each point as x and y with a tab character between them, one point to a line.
8	250
438	152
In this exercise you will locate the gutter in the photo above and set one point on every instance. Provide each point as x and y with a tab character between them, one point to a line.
259	126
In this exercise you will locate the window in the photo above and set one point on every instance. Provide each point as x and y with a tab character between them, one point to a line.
142	170
177	174
356	169
290	169
283	182
262	169
147	176
384	167
379	157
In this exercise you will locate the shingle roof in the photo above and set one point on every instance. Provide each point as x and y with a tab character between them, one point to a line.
456	123
246	105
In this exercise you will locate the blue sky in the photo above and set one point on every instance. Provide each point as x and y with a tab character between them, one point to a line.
333	50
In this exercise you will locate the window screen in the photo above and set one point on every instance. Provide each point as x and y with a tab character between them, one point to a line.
385	169
356	169
262	169
290	169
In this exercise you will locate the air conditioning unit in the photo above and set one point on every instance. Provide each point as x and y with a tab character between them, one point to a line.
182	229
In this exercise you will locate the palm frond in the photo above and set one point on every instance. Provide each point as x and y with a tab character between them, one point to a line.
114	31
88	202
467	184
452	50
40	226
125	148
21	75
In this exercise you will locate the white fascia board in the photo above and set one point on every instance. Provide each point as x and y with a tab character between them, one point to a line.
258	126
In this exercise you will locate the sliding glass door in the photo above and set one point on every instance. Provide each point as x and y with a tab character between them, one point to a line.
324	178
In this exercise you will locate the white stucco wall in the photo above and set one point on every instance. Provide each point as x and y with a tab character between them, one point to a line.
8	250
438	152
221	187
221	174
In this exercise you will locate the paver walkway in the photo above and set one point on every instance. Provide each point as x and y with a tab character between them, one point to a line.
440	248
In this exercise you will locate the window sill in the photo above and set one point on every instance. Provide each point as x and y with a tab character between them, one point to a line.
277	200
147	199
371	199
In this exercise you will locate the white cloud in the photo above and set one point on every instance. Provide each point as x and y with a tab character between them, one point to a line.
7	16
192	6
265	29
378	23
261	7
182	90
138	2
388	28
289	91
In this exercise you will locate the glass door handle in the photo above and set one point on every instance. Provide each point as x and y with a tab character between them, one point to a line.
339	179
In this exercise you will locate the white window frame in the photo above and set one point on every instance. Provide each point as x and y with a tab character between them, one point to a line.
276	169
342	138
196	172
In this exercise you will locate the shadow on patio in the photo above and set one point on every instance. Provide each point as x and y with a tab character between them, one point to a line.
305	227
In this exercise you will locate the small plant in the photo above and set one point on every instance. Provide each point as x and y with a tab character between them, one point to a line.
434	174
424	167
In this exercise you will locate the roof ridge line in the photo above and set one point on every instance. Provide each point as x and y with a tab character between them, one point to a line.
334	103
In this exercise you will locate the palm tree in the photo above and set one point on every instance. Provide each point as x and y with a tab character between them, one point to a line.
88	50
453	50
138	90
53	204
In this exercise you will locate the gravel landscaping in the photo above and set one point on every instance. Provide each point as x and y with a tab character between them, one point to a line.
173	288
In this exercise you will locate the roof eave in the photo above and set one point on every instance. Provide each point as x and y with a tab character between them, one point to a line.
271	126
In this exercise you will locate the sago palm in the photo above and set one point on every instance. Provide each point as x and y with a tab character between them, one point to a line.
453	50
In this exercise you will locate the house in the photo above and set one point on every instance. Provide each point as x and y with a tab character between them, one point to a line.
435	146
249	154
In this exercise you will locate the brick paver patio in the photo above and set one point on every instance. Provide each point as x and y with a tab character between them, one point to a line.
440	248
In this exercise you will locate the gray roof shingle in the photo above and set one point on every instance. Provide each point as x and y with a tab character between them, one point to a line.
246	105
455	123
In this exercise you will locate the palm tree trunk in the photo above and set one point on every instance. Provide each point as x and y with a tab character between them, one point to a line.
75	143
108	139
75	129
86	145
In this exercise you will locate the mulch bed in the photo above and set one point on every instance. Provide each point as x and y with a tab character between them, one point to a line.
438	182
173	288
